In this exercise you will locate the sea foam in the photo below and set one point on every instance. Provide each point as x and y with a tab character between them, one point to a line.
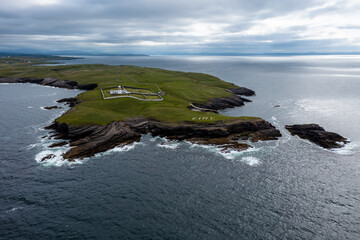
57	160
234	155
348	149
252	161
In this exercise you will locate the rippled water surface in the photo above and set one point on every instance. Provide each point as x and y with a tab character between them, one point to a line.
155	189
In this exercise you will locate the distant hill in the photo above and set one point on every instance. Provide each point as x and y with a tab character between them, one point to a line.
269	54
119	54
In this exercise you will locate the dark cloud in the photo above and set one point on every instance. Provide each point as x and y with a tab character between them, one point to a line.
184	26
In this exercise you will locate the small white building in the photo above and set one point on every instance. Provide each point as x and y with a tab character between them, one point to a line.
119	91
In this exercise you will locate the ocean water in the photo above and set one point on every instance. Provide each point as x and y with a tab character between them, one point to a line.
156	189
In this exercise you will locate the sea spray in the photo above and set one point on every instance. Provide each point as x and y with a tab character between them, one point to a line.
163	142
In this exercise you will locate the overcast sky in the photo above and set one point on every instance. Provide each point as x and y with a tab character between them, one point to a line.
180	26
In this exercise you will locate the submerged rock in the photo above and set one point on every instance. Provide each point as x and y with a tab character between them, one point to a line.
50	156
317	134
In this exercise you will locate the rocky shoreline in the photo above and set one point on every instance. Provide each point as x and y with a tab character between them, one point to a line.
85	141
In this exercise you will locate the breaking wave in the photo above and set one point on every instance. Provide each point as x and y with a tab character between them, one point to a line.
165	143
348	149
168	145
55	157
236	155
125	148
252	161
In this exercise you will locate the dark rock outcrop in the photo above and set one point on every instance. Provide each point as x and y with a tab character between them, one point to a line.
52	107
226	102
90	139
242	91
87	86
316	134
50	156
222	103
54	82
58	144
69	101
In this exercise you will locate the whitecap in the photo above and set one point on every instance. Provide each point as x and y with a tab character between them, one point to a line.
14	209
236	154
33	145
252	161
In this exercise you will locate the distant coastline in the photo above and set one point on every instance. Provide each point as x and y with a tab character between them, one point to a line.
275	54
78	55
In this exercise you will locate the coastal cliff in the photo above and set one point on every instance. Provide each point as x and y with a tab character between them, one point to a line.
53	82
88	140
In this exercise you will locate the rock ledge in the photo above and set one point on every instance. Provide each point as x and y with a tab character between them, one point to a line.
317	134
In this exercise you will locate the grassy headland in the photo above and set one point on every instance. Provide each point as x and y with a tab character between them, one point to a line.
181	88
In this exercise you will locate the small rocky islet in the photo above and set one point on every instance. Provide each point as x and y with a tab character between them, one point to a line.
318	135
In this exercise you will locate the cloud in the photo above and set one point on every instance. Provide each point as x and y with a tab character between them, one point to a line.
160	26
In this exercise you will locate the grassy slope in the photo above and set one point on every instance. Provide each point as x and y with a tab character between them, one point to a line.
181	88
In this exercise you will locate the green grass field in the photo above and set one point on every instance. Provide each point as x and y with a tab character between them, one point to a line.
181	88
